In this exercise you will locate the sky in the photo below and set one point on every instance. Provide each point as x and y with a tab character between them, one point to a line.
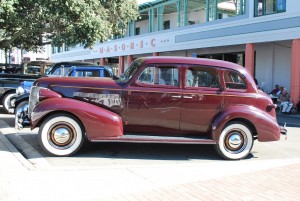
143	1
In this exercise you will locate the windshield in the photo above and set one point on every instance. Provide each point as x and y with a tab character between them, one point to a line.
49	69
33	70
132	69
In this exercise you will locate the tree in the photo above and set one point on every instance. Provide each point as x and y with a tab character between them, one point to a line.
30	24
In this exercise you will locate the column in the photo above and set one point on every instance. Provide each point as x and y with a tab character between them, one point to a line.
102	61
249	60
155	54
185	9
151	20
160	18
129	59
121	65
207	10
178	6
295	72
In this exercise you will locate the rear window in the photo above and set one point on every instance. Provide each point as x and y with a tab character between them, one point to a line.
234	80
199	76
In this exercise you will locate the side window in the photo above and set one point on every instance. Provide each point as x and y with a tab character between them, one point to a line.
160	75
79	74
87	73
202	77
234	80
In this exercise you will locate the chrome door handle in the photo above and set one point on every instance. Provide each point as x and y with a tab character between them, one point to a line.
188	97
176	96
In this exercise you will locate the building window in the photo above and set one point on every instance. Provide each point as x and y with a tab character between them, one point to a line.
267	7
66	48
53	49
137	31
166	24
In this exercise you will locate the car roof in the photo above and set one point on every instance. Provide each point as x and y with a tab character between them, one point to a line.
192	60
88	67
72	63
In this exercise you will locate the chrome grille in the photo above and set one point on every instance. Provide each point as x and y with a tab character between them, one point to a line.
33	99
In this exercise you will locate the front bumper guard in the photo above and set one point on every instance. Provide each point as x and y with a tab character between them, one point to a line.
21	117
283	130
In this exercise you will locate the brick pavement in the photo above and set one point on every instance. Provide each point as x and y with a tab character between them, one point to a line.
282	183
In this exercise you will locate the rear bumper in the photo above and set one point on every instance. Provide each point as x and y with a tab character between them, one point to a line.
283	130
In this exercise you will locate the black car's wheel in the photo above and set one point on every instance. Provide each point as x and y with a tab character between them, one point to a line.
6	102
235	142
21	111
61	135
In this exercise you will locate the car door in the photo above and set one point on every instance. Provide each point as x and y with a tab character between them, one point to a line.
236	89
154	101
201	99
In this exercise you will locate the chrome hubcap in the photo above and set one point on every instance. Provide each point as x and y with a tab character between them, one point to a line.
61	135
235	141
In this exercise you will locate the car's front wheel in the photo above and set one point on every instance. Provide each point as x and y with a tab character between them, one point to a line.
61	135
6	102
235	141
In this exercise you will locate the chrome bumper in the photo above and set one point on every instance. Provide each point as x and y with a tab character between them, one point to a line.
283	131
21	117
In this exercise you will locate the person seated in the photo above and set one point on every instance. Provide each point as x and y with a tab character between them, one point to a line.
285	102
280	90
275	91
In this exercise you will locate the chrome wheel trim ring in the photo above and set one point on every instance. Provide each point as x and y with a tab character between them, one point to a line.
61	135
235	141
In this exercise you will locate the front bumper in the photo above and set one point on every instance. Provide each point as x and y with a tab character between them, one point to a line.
21	117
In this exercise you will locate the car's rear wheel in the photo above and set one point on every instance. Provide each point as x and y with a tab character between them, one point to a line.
61	135
6	102
235	141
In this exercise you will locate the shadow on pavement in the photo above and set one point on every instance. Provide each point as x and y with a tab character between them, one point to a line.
115	150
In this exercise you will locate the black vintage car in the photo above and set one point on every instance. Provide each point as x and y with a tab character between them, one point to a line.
10	68
31	72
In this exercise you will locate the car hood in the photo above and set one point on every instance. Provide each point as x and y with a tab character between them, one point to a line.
104	92
77	82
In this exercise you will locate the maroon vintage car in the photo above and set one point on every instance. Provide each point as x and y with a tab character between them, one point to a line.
157	100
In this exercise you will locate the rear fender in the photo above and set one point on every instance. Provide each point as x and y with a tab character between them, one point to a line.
97	121
265	126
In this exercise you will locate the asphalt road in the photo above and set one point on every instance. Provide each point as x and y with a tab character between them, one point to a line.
131	154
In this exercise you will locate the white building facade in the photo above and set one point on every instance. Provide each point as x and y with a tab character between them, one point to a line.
262	35
17	57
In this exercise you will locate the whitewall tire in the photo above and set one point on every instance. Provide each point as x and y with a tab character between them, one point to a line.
61	135
6	102
235	141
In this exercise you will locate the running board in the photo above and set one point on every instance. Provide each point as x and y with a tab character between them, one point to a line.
155	139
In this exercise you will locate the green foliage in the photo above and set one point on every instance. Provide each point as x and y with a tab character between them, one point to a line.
30	24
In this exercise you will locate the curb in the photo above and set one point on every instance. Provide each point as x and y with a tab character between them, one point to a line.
35	159
16	153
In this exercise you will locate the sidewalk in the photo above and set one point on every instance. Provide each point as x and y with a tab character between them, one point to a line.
221	180
292	120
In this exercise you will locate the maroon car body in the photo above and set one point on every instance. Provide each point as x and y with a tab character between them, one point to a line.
158	99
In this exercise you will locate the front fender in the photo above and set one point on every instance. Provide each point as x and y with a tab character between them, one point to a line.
23	97
97	121
266	126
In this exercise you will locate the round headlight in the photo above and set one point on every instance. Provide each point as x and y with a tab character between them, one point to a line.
20	90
